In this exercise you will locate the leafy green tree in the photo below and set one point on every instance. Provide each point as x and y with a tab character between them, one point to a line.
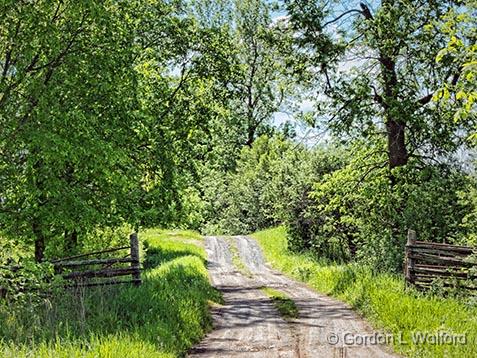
376	65
261	83
99	104
461	49
265	86
66	102
182	95
256	85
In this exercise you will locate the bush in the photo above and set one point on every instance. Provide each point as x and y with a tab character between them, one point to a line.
22	280
357	213
269	181
98	238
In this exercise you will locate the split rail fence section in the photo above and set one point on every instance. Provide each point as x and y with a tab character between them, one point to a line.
102	271
428	262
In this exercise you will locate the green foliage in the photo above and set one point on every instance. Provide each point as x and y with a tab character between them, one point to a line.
116	115
382	298
23	281
341	205
460	27
101	238
376	67
261	83
107	109
354	212
468	197
95	239
270	179
63	145
26	284
163	317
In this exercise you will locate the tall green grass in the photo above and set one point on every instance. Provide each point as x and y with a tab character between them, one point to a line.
163	317
382	299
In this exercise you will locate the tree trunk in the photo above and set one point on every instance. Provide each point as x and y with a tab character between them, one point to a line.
397	151
250	135
71	241
39	242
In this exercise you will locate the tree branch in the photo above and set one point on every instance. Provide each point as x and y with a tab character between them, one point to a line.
341	16
366	12
426	99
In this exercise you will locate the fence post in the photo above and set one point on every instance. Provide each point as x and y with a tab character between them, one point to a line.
135	258
411	240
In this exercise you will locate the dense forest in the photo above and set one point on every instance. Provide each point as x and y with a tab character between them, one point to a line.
347	122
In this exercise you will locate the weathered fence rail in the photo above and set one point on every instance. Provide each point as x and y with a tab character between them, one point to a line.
428	262
97	269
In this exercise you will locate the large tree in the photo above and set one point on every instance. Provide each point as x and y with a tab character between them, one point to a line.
261	84
98	107
64	108
377	69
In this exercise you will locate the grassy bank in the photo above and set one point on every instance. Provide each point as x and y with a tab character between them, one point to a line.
163	317
382	299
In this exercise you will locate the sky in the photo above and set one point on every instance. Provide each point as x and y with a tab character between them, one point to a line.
280	118
313	136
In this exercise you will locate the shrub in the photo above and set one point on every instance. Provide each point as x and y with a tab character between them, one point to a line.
363	210
266	187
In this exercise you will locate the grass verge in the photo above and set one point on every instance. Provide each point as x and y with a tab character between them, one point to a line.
236	259
383	300
163	317
284	304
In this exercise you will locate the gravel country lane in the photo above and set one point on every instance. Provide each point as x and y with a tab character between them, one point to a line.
248	325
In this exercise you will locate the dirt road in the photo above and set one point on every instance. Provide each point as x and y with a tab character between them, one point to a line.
248	325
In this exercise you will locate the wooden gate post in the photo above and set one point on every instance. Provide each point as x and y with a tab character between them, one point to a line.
409	262
135	263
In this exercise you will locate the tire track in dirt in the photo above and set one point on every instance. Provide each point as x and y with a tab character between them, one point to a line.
248	325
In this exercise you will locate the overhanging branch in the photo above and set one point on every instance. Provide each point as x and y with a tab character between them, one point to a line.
342	15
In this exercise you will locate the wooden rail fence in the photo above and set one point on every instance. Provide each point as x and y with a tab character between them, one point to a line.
96	270
88	271
428	262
